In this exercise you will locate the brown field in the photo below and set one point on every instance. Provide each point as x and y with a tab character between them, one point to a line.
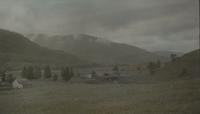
78	97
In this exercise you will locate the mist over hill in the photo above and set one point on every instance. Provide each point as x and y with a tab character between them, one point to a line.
98	50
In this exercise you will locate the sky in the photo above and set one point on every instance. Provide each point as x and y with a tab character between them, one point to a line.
155	25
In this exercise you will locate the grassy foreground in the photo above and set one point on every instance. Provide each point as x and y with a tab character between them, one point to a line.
46	97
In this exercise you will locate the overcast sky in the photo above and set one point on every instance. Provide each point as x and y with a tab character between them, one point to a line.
149	24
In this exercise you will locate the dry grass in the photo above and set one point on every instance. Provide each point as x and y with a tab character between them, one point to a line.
46	97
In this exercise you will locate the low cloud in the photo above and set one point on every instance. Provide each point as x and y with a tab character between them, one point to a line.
150	24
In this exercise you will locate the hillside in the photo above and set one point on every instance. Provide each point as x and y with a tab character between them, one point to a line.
168	53
186	66
16	49
96	49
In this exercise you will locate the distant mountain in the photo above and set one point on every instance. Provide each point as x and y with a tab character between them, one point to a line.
188	64
168	53
96	49
16	49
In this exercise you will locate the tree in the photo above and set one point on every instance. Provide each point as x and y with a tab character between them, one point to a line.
94	74
29	73
158	64
116	68
47	72
24	73
173	57
3	67
184	72
71	72
151	67
3	75
67	73
10	78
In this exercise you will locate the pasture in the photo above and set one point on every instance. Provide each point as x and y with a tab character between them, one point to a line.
48	97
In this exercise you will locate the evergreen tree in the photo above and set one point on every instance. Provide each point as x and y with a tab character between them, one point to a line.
184	72
24	72
116	68
94	74
10	78
30	74
71	72
3	75
67	73
151	67
47	72
3	67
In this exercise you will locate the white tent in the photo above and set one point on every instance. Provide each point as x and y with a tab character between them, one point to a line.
17	85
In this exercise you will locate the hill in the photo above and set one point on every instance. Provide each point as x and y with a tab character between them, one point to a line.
168	53
96	49
15	49
186	66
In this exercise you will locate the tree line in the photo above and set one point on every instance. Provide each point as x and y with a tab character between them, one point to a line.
35	72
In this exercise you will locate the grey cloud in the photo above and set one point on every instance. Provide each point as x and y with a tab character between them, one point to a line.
145	23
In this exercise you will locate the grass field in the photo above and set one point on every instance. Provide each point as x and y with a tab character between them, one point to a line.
47	97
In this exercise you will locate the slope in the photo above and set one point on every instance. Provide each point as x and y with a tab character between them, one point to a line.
15	48
96	49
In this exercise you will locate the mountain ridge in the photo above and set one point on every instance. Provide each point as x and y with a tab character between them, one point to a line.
97	49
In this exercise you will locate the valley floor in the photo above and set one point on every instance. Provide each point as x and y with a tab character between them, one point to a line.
47	97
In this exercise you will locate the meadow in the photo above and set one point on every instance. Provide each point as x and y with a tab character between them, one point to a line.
153	97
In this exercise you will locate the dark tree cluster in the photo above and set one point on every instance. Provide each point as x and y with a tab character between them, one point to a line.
3	68
31	72
47	72
153	66
183	72
67	73
10	78
5	77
